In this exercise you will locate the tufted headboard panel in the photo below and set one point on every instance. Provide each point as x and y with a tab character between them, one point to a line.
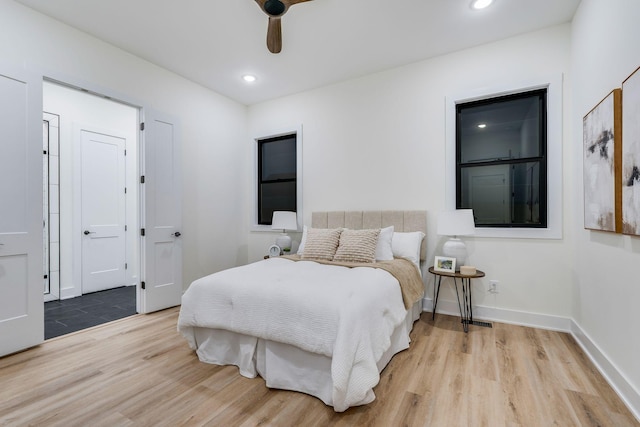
402	221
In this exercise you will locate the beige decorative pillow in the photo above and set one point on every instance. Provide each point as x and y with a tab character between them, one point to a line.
357	246
321	243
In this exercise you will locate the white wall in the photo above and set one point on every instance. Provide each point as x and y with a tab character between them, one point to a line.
77	108
213	127
378	142
606	284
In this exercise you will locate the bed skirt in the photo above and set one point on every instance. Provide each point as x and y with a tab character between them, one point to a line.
287	367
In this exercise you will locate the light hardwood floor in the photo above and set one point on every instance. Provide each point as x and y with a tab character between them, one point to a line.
140	372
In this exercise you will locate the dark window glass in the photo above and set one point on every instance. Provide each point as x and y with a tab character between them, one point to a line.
277	173
501	146
278	159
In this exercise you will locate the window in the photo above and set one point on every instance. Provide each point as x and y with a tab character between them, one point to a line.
553	154
501	159
277	176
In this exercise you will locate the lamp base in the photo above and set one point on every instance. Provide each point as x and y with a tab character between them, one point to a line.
284	242
455	248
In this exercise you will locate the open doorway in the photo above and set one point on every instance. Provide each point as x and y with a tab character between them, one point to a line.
91	264
157	261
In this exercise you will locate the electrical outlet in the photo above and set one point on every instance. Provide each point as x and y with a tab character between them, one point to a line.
493	286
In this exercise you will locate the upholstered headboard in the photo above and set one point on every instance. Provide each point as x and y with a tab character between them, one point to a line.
402	221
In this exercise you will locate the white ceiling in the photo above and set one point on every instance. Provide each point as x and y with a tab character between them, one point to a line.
214	42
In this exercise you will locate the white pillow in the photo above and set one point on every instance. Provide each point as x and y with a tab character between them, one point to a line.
384	251
303	240
407	246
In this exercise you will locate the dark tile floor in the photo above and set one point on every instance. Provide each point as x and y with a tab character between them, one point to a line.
73	314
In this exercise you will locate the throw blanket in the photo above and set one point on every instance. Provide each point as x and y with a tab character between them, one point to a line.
344	313
402	269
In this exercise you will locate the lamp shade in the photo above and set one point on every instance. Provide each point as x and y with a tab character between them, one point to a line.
456	223
284	220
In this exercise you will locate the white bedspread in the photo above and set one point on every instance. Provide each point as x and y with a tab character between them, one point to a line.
344	313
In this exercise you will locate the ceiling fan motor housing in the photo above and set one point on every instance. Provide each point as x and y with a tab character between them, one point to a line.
274	7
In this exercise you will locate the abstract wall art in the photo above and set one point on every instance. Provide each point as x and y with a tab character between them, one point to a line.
602	134
631	154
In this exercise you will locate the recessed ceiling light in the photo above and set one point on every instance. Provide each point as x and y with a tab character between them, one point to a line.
249	78
482	125
480	4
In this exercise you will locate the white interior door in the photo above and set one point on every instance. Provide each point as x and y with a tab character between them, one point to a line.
21	252
162	215
103	211
490	194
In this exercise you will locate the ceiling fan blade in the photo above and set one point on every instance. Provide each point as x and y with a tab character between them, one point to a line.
292	2
274	35
275	9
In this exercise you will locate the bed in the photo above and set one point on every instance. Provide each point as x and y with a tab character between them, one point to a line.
314	324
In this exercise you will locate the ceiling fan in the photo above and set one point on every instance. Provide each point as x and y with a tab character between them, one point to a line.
276	9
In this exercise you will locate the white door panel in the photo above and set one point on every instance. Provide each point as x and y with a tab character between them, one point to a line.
21	251
103	211
162	258
490	194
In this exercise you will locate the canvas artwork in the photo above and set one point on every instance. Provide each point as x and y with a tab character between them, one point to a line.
631	154
601	138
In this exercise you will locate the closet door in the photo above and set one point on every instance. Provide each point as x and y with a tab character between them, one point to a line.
21	224
161	213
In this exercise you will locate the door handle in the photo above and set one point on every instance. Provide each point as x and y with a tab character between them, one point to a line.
177	234
87	232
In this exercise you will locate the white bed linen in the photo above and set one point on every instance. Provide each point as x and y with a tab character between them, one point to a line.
345	314
286	367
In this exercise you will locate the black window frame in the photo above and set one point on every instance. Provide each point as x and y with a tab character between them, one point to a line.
542	158
261	181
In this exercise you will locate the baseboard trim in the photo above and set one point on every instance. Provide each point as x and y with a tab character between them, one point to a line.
491	314
68	293
616	379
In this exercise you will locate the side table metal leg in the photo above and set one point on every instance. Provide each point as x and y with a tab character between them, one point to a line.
465	305
461	307
436	294
470	302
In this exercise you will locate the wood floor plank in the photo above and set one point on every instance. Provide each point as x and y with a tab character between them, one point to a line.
589	410
549	389
597	384
566	369
139	371
411	411
483	349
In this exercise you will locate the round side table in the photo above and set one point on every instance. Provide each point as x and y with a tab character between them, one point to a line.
466	309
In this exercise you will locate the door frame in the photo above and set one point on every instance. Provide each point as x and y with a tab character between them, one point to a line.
54	285
90	88
144	112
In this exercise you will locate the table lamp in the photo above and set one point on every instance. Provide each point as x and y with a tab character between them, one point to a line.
284	220
453	224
